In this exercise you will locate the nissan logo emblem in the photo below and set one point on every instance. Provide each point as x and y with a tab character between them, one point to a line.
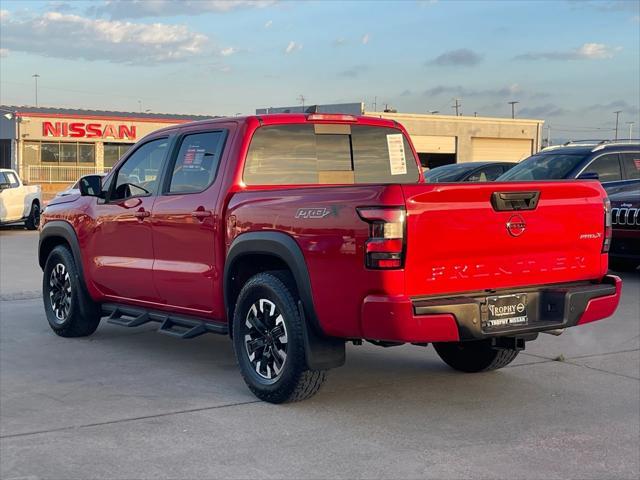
516	225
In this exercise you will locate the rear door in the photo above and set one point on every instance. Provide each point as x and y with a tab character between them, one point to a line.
458	242
184	222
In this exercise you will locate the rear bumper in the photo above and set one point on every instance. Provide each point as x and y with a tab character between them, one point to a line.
452	319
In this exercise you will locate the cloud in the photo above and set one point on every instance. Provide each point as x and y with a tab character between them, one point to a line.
366	38
546	110
60	7
607	108
120	9
228	51
606	6
461	57
292	47
268	24
354	72
340	42
588	51
460	91
405	93
4	52
74	37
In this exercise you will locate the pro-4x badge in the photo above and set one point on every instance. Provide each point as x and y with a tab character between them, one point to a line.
315	212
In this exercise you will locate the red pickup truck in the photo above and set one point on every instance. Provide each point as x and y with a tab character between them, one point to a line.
296	233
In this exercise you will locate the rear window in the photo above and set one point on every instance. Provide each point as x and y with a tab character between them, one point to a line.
543	167
329	154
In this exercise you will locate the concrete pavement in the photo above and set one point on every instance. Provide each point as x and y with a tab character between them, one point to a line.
135	404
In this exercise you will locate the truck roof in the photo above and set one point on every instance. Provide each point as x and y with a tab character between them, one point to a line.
289	118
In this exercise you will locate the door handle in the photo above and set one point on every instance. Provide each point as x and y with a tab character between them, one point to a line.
141	214
200	214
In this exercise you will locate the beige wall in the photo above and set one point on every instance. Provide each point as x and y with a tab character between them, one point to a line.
464	129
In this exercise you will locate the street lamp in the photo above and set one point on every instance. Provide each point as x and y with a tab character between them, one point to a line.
513	108
36	76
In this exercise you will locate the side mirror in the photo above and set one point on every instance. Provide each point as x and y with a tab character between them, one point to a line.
4	186
91	186
589	176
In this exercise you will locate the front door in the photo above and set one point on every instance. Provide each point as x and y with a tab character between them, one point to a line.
121	246
184	224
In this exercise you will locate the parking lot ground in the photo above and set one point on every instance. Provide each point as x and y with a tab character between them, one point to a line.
130	403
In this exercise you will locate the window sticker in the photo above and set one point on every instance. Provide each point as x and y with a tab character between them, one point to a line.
397	159
193	157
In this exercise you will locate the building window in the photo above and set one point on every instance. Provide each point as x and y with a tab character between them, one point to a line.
62	153
113	152
50	152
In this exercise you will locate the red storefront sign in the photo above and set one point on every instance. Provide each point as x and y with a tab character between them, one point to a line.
88	130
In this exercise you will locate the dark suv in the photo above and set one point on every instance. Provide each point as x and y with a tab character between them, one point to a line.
613	163
624	254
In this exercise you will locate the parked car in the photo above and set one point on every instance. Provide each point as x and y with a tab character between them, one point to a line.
73	189
613	163
468	172
295	233
19	202
624	254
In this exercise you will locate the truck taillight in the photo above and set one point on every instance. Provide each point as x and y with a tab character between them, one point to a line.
385	247
607	226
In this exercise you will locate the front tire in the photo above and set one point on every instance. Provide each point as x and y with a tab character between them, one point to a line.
33	220
69	309
268	341
474	356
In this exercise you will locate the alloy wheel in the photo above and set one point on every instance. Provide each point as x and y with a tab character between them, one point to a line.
60	292
266	339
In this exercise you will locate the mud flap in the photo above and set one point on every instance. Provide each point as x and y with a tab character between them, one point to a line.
321	352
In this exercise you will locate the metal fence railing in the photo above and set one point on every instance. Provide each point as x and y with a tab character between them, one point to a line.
60	173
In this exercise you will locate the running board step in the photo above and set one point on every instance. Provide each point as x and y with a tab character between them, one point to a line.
179	326
182	329
123	319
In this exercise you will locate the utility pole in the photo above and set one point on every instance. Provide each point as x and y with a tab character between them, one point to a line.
513	108
631	124
36	76
475	114
375	104
548	135
301	99
617	112
457	107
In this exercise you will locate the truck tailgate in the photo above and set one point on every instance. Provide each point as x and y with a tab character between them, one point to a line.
458	240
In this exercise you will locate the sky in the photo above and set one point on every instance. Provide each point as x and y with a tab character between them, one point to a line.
571	63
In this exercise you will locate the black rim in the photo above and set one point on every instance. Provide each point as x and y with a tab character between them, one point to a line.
265	339
60	292
36	215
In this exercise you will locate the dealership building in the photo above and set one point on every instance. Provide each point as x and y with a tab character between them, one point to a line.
444	139
54	146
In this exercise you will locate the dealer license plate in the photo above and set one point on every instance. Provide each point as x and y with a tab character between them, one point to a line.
506	311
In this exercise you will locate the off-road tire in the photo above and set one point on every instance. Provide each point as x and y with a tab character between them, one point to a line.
33	220
82	316
474	356
294	382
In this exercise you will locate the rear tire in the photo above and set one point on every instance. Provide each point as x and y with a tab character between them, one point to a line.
474	356
269	343
69	309
33	220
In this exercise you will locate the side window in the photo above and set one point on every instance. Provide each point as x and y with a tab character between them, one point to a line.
329	154
138	176
607	167
4	181
13	181
631	162
197	162
486	174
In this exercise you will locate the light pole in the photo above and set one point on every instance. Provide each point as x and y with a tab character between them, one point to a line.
617	112
513	108
36	76
631	124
